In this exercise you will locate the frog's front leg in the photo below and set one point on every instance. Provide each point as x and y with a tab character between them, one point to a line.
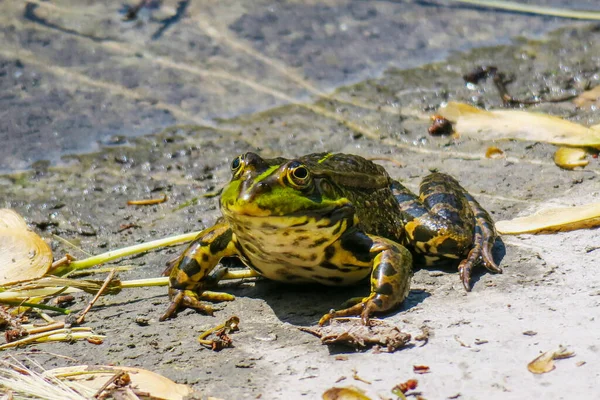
390	277
191	270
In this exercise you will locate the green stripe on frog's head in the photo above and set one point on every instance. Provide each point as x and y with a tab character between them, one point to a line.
277	187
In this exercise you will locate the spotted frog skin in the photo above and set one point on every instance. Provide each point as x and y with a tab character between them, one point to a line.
333	219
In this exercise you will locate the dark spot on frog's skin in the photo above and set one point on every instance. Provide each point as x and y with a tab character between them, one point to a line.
266	225
204	257
378	302
442	198
318	242
386	289
448	246
313	257
422	234
328	265
359	244
385	269
337	229
329	252
299	224
347	270
285	233
189	265
300	239
221	242
308	268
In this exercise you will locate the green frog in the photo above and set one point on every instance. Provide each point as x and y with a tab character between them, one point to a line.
333	219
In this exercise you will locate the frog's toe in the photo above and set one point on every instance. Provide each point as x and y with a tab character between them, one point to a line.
477	254
181	299
357	309
363	307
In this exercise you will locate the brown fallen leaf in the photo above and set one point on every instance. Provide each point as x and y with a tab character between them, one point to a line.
352	332
545	362
519	125
421	369
570	157
345	393
553	220
404	387
494	152
24	255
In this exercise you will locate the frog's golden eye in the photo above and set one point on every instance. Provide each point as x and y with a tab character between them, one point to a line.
298	175
236	164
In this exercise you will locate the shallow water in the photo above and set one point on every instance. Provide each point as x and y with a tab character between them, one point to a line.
75	78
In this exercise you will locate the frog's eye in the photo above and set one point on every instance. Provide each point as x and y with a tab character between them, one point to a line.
236	164
298	175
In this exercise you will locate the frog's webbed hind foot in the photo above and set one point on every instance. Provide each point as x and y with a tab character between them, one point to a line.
181	299
483	241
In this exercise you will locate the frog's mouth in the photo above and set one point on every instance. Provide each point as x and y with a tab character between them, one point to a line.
328	215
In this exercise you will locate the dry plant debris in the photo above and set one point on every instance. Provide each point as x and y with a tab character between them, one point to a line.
117	382
545	361
221	332
519	125
148	202
570	157
494	152
401	388
421	369
553	220
353	333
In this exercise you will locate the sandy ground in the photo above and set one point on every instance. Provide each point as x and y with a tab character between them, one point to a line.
480	342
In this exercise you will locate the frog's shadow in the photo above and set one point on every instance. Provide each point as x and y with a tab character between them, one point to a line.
305	304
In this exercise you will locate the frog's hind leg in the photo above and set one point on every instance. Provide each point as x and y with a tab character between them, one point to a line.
445	222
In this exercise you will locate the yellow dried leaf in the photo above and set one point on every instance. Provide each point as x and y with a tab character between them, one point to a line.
588	98
23	254
520	125
346	393
553	220
570	157
494	152
95	376
545	362
10	219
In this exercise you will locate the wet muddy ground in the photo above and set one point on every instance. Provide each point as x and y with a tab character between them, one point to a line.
477	349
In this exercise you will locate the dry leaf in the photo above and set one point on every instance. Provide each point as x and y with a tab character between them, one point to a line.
494	152
520	125
553	220
23	255
346	393
545	362
95	376
352	332
570	157
588	98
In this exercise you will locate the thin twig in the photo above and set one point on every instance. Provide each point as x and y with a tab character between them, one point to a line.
109	382
109	278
